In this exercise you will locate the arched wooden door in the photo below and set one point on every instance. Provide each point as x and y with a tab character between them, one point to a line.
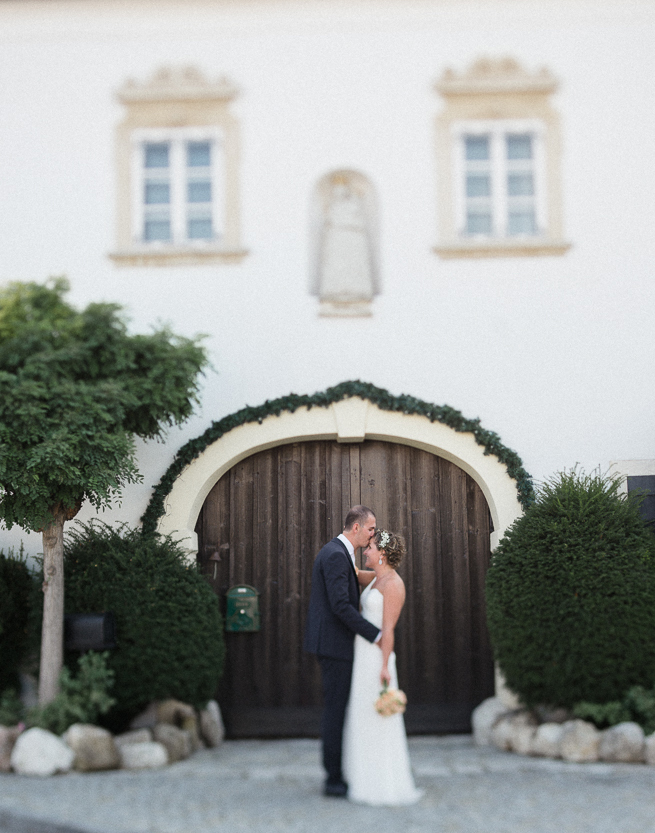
269	516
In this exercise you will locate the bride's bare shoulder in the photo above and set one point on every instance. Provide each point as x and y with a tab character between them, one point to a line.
394	585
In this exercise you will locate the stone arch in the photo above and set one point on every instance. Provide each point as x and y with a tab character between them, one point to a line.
350	419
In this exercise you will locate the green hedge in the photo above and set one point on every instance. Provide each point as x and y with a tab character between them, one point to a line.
168	622
16	589
571	595
637	705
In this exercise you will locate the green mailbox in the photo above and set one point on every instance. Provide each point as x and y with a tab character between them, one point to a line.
242	609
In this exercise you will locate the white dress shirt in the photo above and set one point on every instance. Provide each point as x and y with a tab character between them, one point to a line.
351	553
349	547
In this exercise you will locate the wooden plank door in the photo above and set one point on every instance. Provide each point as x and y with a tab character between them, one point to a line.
268	517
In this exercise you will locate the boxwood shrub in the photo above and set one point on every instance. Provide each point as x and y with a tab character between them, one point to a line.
168	622
16	592
571	595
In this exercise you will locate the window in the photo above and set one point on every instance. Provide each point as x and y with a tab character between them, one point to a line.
499	172
645	487
498	163
177	172
639	476
177	181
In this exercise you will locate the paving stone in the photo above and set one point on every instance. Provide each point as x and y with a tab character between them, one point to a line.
275	787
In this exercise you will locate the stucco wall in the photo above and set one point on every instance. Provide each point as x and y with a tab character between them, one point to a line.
552	353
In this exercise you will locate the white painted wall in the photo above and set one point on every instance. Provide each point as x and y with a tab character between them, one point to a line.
554	354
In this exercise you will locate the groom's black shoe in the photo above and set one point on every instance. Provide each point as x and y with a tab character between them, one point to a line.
336	789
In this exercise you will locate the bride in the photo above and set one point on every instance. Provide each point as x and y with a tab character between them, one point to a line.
376	758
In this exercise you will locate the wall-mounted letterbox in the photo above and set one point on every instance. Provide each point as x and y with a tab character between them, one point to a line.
89	631
242	608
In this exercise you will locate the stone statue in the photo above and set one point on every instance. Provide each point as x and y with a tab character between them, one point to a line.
346	263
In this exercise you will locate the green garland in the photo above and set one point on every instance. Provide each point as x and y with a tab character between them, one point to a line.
454	419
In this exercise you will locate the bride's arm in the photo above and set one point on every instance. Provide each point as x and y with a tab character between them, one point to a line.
365	577
394	599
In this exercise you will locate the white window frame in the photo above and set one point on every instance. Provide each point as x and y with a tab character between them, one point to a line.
497	130
177	137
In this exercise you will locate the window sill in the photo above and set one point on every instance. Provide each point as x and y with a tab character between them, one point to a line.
501	248
345	309
176	257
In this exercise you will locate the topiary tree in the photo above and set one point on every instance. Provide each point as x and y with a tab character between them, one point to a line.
75	389
571	595
168	621
16	588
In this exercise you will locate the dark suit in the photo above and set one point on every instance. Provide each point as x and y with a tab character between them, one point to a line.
332	622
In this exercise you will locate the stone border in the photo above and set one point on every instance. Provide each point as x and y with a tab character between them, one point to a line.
559	736
166	732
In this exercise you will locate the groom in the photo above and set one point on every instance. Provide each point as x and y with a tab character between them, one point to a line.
332	623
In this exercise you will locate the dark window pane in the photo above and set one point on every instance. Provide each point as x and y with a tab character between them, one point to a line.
200	229
478	223
198	154
520	185
521	222
478	185
477	147
519	146
199	192
157	230
156	155
157	193
646	485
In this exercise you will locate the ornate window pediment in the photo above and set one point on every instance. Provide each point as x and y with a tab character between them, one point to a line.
498	157
177	156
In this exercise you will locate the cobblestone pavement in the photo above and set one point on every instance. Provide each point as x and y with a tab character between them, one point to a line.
271	786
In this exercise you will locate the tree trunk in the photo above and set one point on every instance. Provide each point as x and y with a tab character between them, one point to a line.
52	634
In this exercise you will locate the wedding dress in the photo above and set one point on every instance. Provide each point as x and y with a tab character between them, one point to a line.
375	754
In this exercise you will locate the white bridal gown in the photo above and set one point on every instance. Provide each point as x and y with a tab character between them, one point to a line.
375	755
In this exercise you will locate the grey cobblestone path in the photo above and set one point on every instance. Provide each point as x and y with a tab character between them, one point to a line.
271	786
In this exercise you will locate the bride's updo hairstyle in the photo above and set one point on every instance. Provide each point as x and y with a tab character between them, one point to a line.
392	545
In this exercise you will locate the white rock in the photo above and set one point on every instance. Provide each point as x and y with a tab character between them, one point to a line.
623	742
39	752
135	736
501	734
507	732
181	715
8	737
521	739
547	740
483	719
177	741
94	747
147	719
175	712
580	741
212	729
147	755
649	749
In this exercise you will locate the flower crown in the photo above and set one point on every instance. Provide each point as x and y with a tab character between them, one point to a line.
384	539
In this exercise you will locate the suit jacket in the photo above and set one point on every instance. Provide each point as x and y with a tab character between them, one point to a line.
334	617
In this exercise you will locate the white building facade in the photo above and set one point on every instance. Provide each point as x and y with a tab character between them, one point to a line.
448	199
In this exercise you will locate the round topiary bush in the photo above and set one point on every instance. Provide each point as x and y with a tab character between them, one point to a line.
16	588
168	622
571	595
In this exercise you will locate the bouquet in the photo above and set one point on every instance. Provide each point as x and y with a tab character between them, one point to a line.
391	701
